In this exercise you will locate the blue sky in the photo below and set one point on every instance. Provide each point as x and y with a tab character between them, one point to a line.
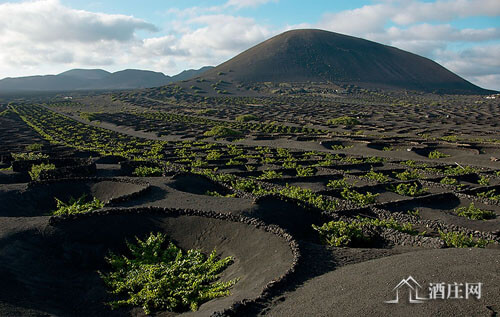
51	36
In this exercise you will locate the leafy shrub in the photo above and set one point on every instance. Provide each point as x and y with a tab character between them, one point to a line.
474	213
270	174
437	155
233	162
160	276
213	155
388	223
341	233
222	132
408	189
374	159
34	147
37	170
303	171
411	163
249	186
459	170
338	183
30	156
216	194
457	239
76	206
206	111
250	168
147	171
483	180
408	175
338	147
358	198
246	117
376	176
490	194
448	181
308	196
345	120
289	163
283	152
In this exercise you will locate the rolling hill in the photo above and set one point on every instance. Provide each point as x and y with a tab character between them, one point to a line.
95	79
319	56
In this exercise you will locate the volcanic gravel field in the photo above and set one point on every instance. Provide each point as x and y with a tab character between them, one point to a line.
254	193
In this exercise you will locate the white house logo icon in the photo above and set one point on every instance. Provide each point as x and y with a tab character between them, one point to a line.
413	288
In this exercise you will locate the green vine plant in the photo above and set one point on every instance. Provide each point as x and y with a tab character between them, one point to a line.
474	213
358	198
376	176
37	170
77	206
345	234
408	189
147	171
158	275
490	194
457	239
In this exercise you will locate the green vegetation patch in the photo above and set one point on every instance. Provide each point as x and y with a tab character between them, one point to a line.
222	132
357	197
345	121
147	171
30	156
37	170
408	175
457	239
344	234
159	276
449	181
490	194
247	117
338	183
474	213
341	233
308	196
437	155
304	171
408	189
270	174
34	147
376	176
77	206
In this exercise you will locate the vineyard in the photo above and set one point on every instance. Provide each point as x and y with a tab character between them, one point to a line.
207	186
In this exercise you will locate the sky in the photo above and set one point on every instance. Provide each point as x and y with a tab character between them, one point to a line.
52	36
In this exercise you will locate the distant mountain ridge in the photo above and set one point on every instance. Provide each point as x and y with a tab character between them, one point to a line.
321	56
96	79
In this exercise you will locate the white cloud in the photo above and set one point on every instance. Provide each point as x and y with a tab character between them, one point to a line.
239	4
367	19
415	11
49	21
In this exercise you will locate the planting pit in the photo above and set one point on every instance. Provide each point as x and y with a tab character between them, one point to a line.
52	269
38	199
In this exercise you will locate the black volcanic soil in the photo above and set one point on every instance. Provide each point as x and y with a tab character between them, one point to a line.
48	267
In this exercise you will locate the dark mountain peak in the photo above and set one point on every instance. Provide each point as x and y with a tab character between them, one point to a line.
190	73
317	55
86	73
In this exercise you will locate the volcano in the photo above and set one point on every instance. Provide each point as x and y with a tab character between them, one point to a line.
320	56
